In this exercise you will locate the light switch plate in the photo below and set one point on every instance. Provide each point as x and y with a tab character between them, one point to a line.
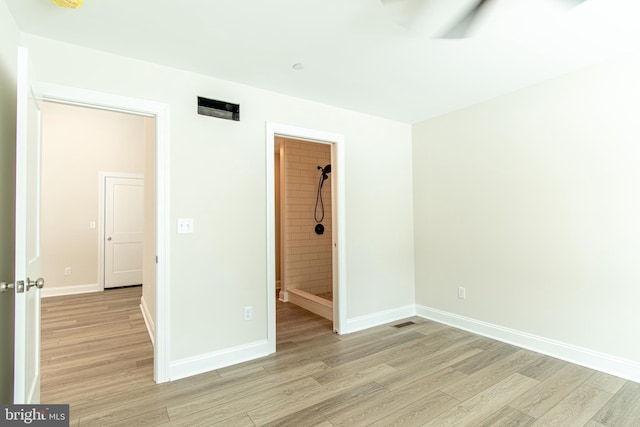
185	225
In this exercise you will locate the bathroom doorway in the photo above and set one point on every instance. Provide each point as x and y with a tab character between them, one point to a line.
324	176
304	238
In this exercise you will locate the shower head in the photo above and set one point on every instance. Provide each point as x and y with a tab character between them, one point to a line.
324	175
325	171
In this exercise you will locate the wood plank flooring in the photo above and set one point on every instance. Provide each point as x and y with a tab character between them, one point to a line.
94	345
97	356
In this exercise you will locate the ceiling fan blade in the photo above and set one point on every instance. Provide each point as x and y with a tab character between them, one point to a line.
461	29
413	15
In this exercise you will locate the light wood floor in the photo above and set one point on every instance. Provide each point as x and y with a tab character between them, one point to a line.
97	356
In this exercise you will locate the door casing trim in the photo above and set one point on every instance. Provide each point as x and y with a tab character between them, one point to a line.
161	112
338	213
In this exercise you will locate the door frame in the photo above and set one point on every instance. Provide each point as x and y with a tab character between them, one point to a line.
102	191
338	221
161	112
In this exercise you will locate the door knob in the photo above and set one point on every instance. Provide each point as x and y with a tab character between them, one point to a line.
39	283
19	286
109	238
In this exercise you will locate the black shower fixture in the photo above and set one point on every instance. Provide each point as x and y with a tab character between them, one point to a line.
324	175
325	171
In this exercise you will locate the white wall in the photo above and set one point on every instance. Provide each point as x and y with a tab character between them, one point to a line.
78	144
531	201
8	58
218	177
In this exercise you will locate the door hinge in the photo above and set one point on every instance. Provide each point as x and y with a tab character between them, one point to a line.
156	259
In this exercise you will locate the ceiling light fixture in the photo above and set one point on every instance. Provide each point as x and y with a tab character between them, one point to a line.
298	67
72	4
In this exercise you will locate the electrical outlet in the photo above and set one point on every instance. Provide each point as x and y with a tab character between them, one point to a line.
67	271
248	313
185	225
462	292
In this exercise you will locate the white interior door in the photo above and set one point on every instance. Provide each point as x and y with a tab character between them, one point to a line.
124	231
27	250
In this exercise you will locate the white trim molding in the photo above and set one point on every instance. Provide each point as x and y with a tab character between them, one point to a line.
339	225
148	320
69	290
380	318
195	365
283	296
580	356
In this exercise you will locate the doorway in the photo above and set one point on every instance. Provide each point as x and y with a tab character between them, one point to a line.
78	145
304	239
159	160
338	235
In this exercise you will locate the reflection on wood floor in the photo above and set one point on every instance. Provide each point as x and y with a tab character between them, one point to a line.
97	356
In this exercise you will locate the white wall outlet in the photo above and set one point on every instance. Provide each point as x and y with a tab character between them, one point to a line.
248	313
462	292
92	225
185	225
67	271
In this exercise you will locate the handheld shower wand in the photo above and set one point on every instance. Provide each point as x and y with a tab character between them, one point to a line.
324	175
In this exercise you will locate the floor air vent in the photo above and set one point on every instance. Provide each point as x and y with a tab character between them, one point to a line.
402	325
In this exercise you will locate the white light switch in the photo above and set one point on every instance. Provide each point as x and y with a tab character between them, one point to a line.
92	225
185	225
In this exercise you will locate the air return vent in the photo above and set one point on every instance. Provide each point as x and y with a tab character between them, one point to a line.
405	324
219	109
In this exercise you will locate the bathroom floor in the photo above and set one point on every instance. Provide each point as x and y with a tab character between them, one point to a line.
295	325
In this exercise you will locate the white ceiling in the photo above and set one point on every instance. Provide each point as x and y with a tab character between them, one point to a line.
355	53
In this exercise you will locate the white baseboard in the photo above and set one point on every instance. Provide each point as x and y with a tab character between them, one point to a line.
376	319
148	320
218	359
69	290
580	356
599	361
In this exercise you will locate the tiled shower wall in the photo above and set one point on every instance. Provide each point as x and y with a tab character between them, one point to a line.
308	255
